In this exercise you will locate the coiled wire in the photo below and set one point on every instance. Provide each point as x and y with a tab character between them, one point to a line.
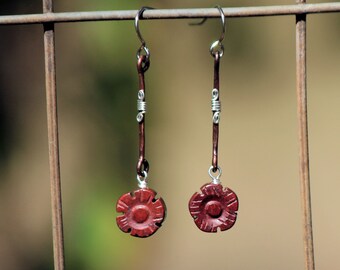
141	106
215	105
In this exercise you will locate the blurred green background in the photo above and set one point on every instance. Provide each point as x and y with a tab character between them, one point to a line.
97	87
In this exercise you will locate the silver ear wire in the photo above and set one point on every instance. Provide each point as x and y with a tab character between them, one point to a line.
143	47
217	46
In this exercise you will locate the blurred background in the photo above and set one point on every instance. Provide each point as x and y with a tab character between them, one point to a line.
97	88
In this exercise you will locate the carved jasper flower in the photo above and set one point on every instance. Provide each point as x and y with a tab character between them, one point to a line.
142	215
214	208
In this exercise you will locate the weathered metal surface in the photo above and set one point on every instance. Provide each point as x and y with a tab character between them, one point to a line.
170	13
53	141
301	90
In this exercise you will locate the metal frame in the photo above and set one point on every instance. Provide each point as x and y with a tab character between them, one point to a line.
60	17
48	19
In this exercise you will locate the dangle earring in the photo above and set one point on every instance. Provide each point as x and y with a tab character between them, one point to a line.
143	213
215	207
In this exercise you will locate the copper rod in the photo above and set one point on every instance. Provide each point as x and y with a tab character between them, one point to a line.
215	137
301	89
170	13
53	141
142	164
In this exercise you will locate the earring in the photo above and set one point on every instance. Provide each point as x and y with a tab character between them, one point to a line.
215	207
143	213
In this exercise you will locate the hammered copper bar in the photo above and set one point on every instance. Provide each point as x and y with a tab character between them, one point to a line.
216	125
142	164
53	142
301	88
278	10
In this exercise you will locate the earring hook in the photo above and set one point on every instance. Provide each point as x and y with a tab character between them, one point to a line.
216	46
143	47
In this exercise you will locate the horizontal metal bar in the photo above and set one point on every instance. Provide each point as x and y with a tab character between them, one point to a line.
170	13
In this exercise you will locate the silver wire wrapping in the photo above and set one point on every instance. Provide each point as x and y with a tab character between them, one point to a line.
215	106
141	106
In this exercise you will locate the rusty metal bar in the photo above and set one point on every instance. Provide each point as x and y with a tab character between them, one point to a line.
170	13
53	140
301	89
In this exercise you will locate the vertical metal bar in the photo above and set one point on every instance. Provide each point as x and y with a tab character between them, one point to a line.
301	89
53	141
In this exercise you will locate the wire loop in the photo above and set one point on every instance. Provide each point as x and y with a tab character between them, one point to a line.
142	180
215	179
217	47
142	167
143	50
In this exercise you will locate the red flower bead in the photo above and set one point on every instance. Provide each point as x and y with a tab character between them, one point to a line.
142	215
214	208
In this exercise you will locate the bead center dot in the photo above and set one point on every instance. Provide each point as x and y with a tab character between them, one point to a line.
213	209
140	214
